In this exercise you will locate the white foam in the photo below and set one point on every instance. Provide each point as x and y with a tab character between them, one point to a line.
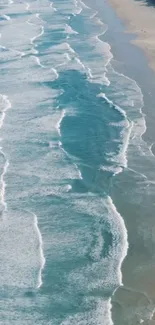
68	187
94	14
30	23
42	258
67	56
3	184
58	125
45	8
70	7
71	50
27	6
21	250
58	55
110	102
150	148
124	244
79	171
121	158
38	61
113	169
5	104
104	271
56	72
38	35
131	99
34	51
72	159
98	54
51	5
18	36
84	5
99	68
80	62
99	310
6	17
69	30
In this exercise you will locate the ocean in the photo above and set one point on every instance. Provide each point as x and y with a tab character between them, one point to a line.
70	124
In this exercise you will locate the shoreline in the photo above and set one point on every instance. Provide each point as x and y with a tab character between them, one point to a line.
140	20
134	302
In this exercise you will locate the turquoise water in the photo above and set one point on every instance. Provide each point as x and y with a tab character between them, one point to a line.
67	118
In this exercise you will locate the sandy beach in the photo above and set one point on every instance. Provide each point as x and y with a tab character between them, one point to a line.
140	20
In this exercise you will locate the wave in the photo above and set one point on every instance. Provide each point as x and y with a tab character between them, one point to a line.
72	160
68	187
27	6
69	30
3	184
58	125
98	278
121	158
32	39
96	49
124	240
49	172
5	105
53	8
134	126
6	17
104	74
38	61
42	258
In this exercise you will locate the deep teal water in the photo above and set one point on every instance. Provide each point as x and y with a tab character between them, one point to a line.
66	120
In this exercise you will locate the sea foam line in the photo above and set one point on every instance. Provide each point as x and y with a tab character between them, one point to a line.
32	39
110	102
41	252
70	30
21	54
38	61
129	126
78	9
125	244
56	73
6	17
3	184
38	35
107	55
7	105
139	123
27	6
43	66
42	258
58	125
66	154
4	98
51	5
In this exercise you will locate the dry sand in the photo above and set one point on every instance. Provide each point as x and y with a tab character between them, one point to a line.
140	20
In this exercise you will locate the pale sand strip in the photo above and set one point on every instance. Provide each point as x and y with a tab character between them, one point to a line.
140	20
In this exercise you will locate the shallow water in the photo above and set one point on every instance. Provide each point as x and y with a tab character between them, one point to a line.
69	125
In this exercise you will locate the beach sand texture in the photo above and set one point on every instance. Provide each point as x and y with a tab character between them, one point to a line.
140	20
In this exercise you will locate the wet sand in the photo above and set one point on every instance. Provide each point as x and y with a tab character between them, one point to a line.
140	20
132	193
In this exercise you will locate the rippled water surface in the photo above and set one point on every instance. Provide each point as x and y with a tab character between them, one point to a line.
66	121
